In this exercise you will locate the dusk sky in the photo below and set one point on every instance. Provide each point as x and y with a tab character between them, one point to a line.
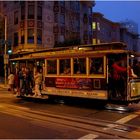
119	10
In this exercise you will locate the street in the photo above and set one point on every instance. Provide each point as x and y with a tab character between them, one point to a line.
69	70
27	118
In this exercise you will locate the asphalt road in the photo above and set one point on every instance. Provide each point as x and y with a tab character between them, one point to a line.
27	119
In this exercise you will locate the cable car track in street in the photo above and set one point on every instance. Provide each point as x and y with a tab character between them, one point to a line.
103	127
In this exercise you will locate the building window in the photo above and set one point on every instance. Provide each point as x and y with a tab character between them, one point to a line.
93	41
62	19
74	5
39	36
31	11
90	11
22	36
16	2
15	39
40	2
4	4
55	17
16	17
39	13
23	12
98	26
62	3
93	25
56	38
77	6
30	35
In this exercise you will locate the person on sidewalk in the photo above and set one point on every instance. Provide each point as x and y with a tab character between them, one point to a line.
11	82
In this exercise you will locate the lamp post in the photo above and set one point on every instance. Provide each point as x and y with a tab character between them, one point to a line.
5	48
5	51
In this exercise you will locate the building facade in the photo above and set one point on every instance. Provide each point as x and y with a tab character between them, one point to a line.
34	25
129	38
130	25
105	31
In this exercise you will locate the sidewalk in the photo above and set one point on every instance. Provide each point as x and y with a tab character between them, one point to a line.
2	84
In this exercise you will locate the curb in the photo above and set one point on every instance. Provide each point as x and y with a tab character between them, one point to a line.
3	86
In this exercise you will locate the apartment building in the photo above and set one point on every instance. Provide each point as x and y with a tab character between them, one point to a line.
130	25
130	38
34	25
105	31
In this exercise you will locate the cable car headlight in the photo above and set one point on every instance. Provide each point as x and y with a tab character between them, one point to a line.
132	56
13	63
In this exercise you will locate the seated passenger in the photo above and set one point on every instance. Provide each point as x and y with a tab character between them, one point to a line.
66	71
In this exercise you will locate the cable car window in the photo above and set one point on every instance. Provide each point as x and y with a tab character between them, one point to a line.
96	65
51	67
79	65
65	67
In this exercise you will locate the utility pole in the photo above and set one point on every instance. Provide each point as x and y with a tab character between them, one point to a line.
6	56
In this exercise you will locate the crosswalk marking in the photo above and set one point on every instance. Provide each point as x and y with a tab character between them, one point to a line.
126	119
121	121
135	134
138	112
89	137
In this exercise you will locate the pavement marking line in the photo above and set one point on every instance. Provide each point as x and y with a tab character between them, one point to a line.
1	106
110	126
138	112
14	106
135	134
121	121
89	137
126	119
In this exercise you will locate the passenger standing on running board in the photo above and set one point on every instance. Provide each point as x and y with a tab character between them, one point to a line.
38	81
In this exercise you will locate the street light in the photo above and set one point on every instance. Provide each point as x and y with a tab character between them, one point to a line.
5	48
